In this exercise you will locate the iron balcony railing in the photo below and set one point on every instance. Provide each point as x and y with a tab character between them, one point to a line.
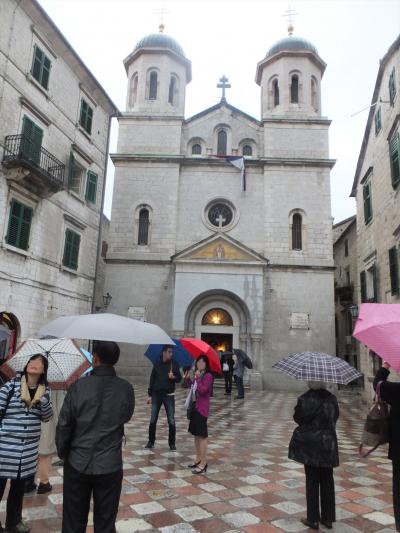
20	149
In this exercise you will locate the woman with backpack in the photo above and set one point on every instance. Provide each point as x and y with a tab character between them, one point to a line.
24	404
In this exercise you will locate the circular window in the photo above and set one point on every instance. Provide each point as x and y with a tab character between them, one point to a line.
220	215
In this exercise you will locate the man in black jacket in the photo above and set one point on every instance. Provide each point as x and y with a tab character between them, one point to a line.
89	438
161	391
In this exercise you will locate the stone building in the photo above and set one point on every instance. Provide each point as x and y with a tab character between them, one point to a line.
376	189
346	275
54	131
192	248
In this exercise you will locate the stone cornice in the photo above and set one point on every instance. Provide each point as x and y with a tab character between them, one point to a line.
308	121
137	116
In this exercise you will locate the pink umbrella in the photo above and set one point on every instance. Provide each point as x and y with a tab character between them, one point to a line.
378	327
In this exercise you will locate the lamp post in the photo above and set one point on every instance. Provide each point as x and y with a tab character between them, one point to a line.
353	311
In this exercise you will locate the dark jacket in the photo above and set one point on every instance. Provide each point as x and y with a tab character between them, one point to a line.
159	380
390	393
314	441
90	428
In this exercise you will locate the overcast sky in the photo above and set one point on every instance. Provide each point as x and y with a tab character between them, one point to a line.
229	37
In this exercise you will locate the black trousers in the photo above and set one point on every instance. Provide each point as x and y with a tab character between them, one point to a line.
320	488
239	386
14	501
396	492
228	381
157	400
77	492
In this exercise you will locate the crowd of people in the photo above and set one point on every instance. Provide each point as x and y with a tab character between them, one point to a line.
89	434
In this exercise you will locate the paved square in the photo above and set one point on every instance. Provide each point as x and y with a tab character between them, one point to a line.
250	485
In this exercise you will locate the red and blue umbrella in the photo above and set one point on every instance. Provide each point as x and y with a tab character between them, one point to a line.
180	355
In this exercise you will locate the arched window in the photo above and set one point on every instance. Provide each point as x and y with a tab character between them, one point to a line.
247	150
171	90
297	232
314	99
153	86
196	149
133	89
222	141
294	89
275	88
217	317
143	231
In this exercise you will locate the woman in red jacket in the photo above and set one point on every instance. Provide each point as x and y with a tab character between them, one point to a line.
202	389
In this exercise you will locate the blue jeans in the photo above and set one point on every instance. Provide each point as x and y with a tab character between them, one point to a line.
157	400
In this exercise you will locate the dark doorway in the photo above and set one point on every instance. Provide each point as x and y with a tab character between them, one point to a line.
219	341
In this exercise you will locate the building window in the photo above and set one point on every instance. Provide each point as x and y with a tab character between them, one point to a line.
144	223
19	225
294	89
220	214
104	249
222	142
86	116
378	121
363	286
41	65
247	150
296	232
171	90
275	88
394	270
394	149
76	175
346	248
153	86
367	197
369	285
133	89
392	86
217	317
196	149
71	249
31	140
314	97
91	187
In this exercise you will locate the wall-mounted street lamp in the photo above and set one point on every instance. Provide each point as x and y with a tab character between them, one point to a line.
106	300
353	311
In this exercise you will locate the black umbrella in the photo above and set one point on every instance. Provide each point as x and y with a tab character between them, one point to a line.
243	357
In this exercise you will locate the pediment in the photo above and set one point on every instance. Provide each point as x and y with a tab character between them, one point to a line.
219	248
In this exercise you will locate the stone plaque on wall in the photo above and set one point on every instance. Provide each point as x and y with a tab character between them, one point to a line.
137	313
299	321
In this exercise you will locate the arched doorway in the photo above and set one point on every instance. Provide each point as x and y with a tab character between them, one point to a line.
217	329
10	330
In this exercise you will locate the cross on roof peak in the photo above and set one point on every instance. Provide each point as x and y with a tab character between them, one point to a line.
223	85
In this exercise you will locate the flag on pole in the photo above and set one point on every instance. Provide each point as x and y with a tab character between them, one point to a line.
238	162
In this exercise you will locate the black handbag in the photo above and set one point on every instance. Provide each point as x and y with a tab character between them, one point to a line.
190	409
376	425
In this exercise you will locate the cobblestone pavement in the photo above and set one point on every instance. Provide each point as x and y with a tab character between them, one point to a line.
250	485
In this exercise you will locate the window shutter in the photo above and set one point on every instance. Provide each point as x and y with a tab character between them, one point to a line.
71	164
46	72
19	225
394	148
71	249
363	286
76	239
36	63
91	187
374	272
32	140
67	248
394	270
367	202
26	220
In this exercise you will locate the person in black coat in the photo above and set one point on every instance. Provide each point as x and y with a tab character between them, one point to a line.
89	437
390	393
164	375
227	368
314	444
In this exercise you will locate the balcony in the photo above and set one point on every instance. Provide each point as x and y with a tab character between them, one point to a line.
33	166
345	294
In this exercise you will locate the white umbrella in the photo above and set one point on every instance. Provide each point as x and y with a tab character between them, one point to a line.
66	361
106	327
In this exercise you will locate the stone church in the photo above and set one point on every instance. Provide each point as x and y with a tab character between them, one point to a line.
196	246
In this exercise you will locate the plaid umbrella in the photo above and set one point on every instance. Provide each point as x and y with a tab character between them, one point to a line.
66	361
317	366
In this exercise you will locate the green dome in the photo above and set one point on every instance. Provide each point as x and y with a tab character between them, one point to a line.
292	42
160	40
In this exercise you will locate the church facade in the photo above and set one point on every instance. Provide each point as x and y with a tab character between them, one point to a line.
242	259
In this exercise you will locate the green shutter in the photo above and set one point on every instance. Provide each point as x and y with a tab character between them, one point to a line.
394	149
19	225
86	116
32	140
394	270
374	273
367	202
392	86
363	286
71	249
71	164
41	65
91	187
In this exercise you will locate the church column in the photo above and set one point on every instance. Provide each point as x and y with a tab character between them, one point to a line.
255	374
